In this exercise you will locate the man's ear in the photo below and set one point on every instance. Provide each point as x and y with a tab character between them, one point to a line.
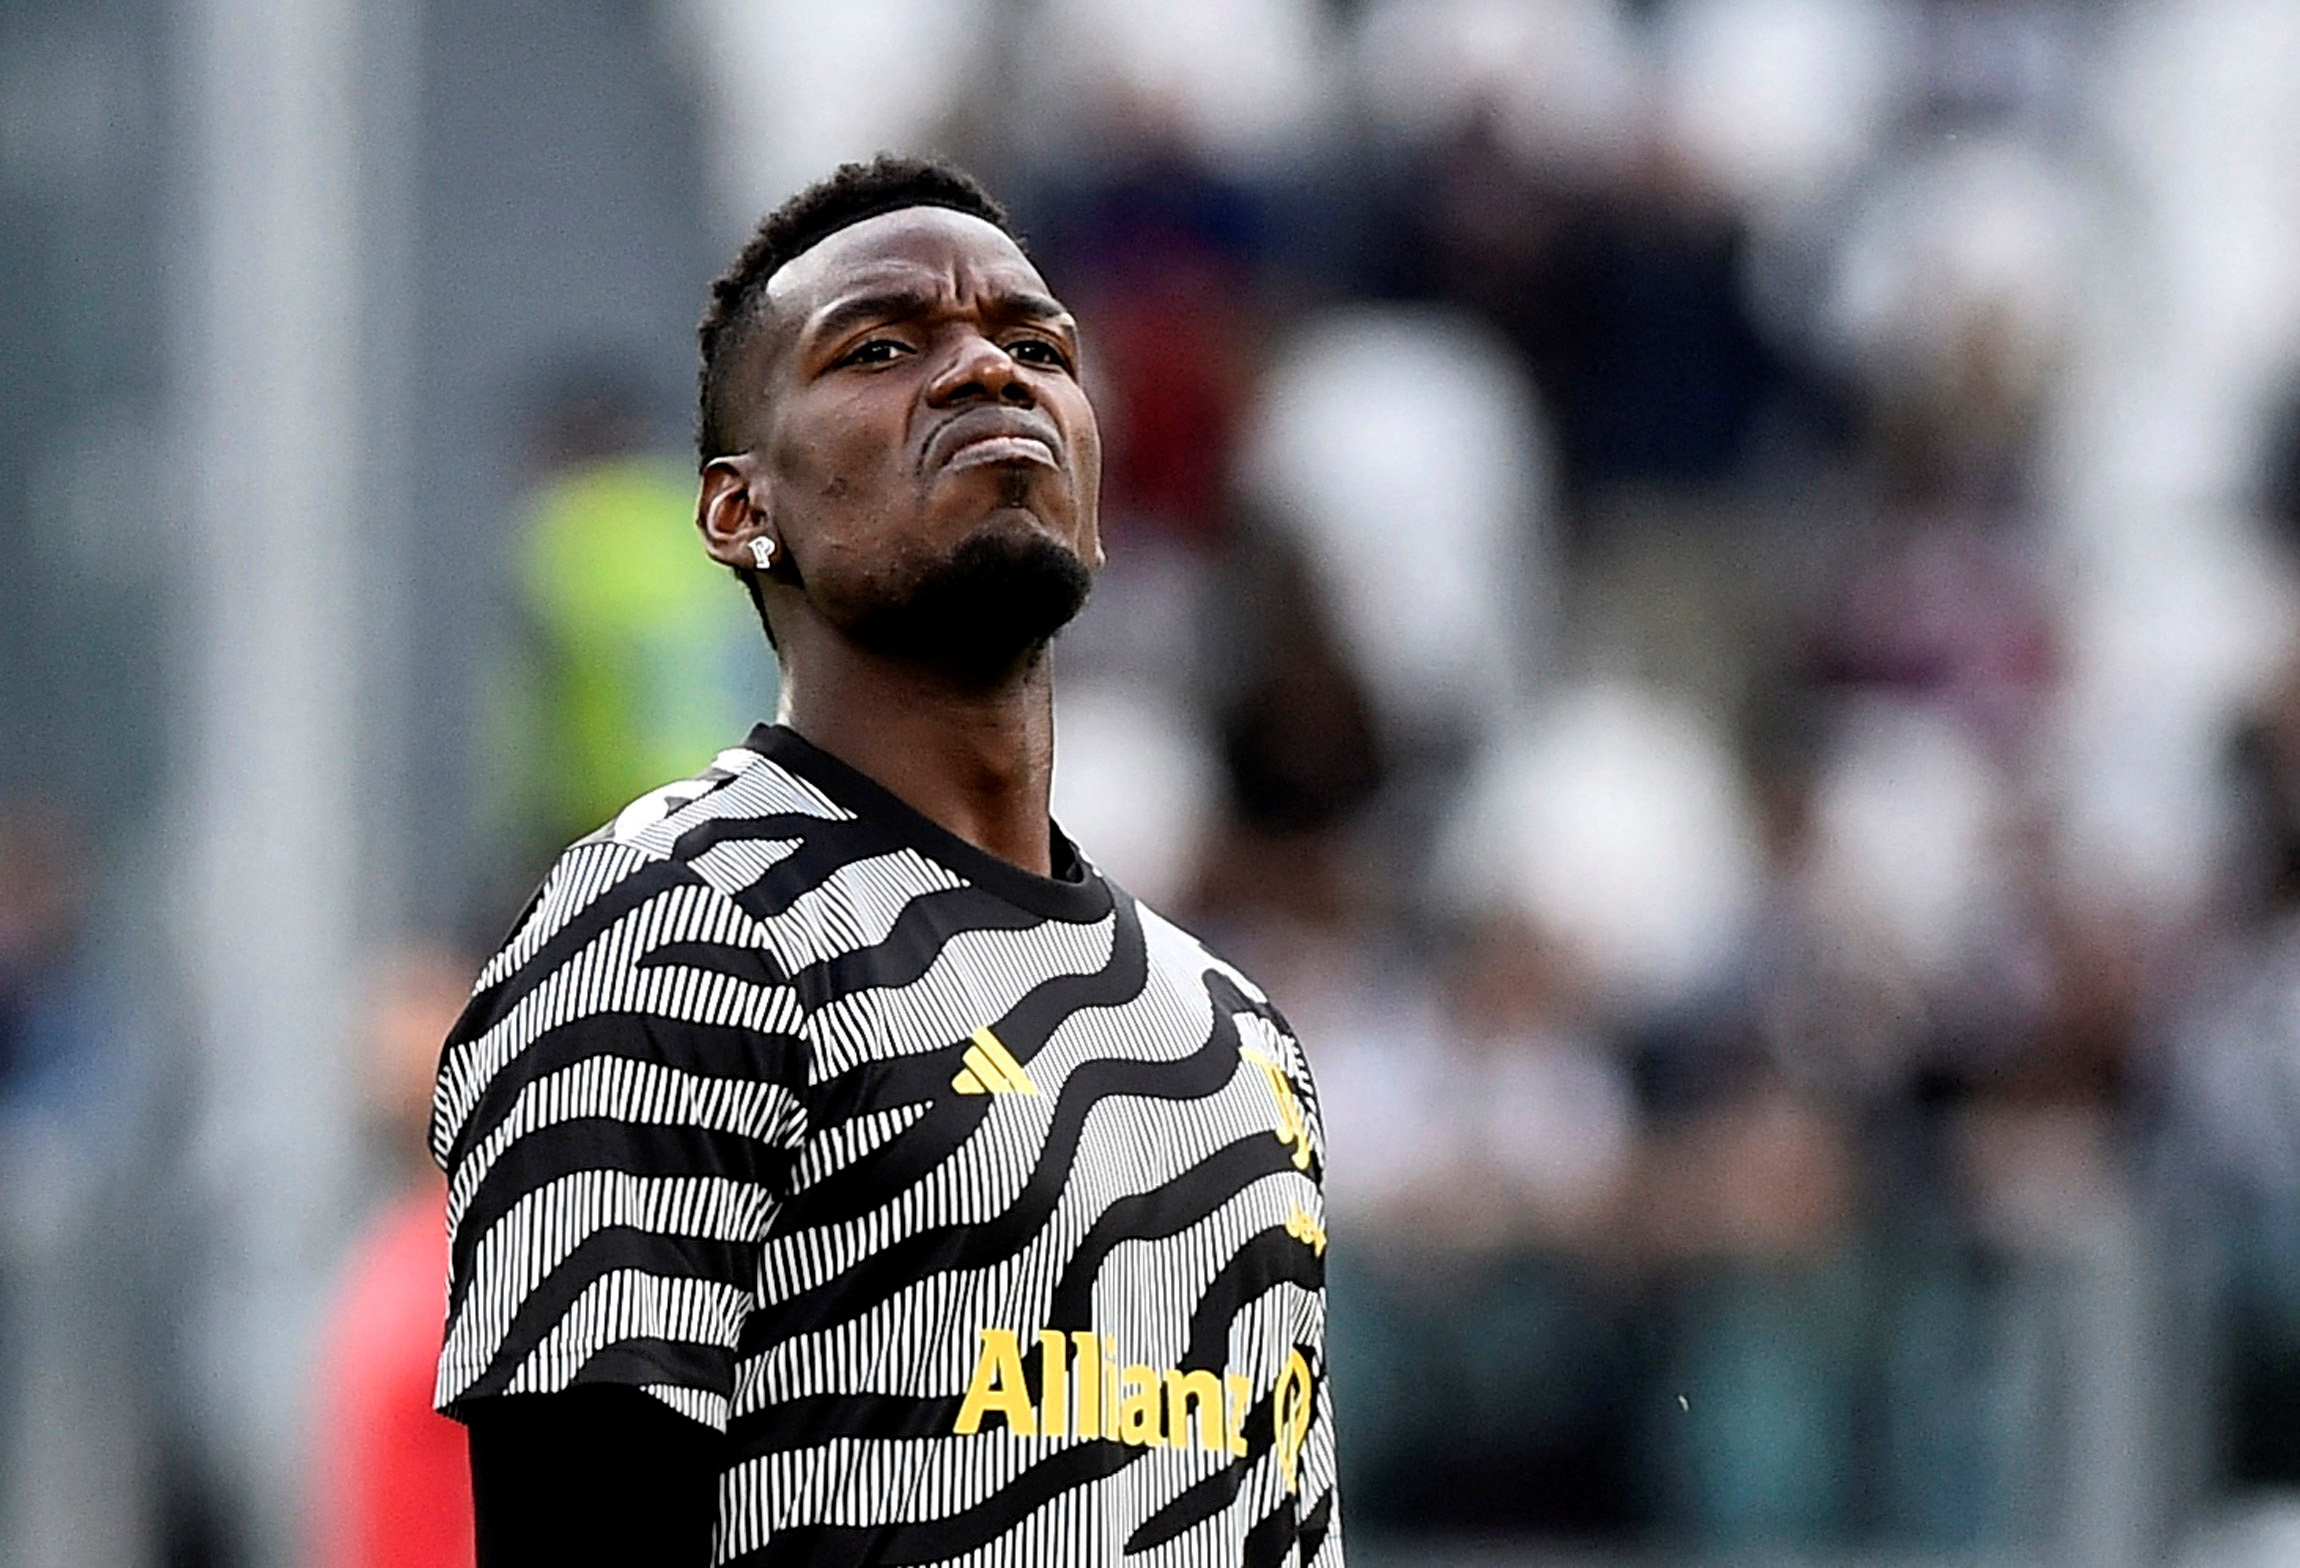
731	510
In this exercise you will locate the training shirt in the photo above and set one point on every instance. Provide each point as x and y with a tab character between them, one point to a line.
981	1210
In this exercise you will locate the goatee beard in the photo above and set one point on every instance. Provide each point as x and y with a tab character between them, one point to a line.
981	612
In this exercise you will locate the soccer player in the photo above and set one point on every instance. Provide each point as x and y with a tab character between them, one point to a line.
841	1170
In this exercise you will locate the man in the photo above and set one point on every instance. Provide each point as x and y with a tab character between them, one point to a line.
841	1170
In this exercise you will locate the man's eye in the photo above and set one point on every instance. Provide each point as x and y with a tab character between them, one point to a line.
875	351
1038	351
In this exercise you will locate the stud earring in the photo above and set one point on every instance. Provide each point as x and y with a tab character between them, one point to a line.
762	552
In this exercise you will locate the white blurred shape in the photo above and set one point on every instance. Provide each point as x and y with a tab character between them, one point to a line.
2177	612
1777	99
1242	81
1617	823
2200	98
2257	1531
1405	450
1384	1090
792	88
1975	235
1908	827
2176	625
1409	1105
1556	1113
1560	76
1134	785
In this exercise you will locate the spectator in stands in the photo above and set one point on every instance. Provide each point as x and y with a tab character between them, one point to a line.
637	657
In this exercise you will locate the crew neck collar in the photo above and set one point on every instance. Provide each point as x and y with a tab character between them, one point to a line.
1085	897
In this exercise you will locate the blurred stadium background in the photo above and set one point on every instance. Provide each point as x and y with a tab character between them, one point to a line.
1707	590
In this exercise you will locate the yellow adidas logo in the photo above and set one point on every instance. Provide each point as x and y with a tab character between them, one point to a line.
991	1068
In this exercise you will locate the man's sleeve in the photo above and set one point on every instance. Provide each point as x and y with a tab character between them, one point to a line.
616	1112
1321	1517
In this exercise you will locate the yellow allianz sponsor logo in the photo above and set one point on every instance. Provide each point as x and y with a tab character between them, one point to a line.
991	1068
1085	1391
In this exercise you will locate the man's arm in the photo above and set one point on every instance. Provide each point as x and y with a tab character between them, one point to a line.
597	1476
616	1117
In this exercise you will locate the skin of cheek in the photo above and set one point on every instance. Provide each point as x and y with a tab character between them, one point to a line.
833	471
1086	465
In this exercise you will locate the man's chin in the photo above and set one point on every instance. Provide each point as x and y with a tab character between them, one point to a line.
984	609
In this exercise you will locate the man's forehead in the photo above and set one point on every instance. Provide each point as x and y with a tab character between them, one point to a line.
909	247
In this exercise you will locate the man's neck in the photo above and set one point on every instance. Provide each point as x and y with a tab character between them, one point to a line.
977	761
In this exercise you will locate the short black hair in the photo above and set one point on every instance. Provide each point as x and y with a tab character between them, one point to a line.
853	192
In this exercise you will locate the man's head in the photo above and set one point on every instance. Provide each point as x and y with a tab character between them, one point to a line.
891	395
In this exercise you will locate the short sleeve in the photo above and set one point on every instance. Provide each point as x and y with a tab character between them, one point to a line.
617	1113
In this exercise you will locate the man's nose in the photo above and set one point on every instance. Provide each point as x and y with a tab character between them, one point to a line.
979	368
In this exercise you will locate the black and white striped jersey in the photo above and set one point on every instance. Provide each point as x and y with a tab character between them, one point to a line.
982	1210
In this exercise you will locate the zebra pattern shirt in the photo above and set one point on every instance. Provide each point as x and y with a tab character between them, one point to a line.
981	1210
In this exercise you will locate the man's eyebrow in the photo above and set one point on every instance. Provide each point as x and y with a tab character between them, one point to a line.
1022	305
903	304
856	309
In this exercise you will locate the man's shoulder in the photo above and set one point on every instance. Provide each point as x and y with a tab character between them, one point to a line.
720	822
1189	957
739	790
1265	1035
640	918
707	837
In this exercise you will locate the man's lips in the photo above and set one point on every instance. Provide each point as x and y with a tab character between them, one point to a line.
992	437
1000	449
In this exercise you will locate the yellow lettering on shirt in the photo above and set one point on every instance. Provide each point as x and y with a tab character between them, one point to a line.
1053	1382
998	1386
1290	1415
1140	1407
1292	1127
1089	1363
1204	1387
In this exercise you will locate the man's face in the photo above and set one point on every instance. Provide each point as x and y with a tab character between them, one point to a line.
930	463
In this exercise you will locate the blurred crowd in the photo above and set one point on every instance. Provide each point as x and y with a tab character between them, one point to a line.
1708	593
